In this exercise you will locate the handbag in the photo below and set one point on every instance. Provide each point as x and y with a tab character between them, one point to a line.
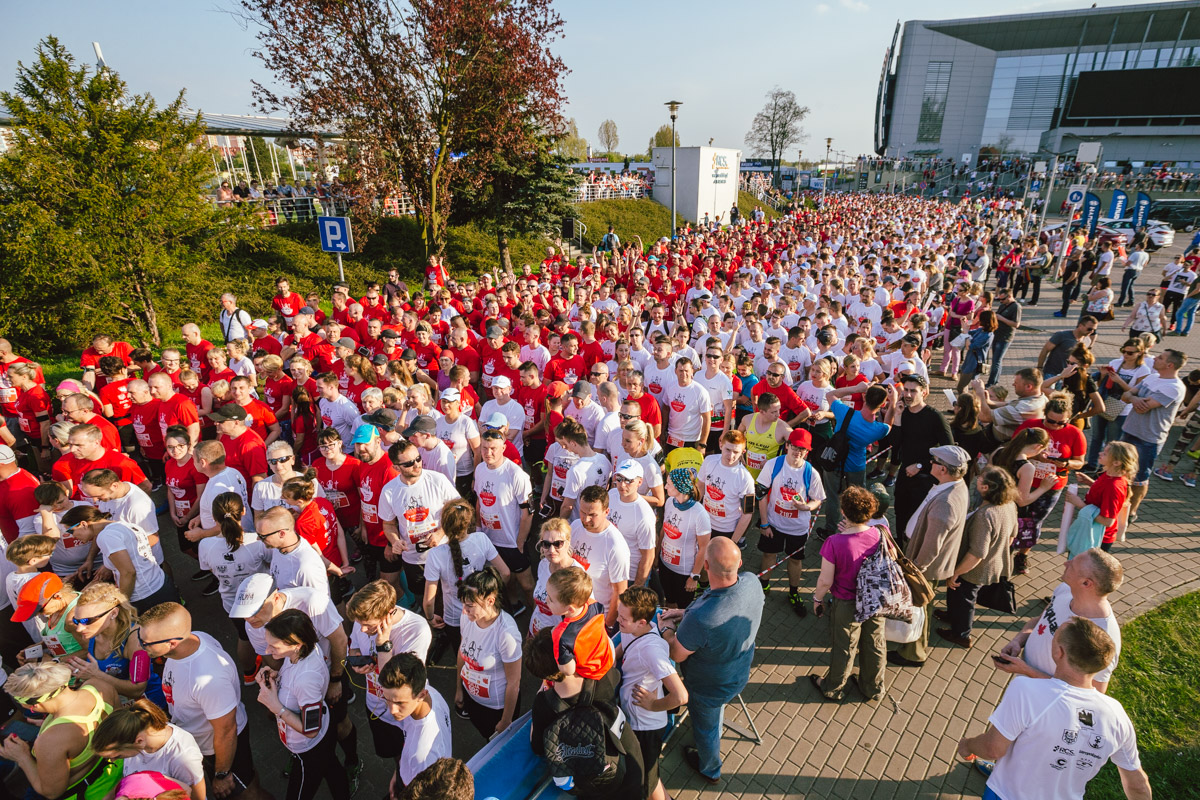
880	587
920	587
901	632
998	596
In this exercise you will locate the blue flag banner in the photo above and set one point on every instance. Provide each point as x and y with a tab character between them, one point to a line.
1120	201
1141	210
1091	213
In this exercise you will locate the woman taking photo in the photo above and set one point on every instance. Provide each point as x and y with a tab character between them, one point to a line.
842	555
125	550
103	624
142	735
488	690
458	549
1076	379
1034	482
554	546
686	530
232	557
984	555
295	694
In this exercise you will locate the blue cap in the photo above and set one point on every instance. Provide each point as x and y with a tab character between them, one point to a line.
364	434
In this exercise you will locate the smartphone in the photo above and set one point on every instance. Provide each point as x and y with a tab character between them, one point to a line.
310	717
1001	660
360	661
33	653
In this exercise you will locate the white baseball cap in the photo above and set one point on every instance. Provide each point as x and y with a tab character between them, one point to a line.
630	469
501	382
251	595
7	456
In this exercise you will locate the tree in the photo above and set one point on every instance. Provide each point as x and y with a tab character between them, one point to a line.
777	128
105	214
608	136
662	138
571	145
429	91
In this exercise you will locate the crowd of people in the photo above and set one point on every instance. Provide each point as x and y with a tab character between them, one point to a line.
563	472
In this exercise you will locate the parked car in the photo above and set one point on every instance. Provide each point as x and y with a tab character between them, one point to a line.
1103	233
1159	233
1182	215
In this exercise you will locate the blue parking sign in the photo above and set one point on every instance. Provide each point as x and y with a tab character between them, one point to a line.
335	234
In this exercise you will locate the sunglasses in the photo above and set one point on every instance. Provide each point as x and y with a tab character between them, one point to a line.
272	533
598	374
407	464
713	356
280	460
544	545
628	416
774	374
33	701
1129	352
81	621
1057	423
622	479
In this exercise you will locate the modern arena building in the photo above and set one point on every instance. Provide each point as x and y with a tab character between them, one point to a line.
1125	76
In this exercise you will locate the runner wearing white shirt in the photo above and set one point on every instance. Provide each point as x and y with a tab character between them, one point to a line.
489	658
634	518
686	531
688	406
125	502
126	552
591	468
435	455
294	562
504	494
209	458
461	435
720	394
793	492
584	410
598	544
158	745
338	412
258	602
728	488
559	461
232	557
421	713
510	409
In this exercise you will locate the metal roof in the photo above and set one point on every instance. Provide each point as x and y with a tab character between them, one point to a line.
1062	29
239	125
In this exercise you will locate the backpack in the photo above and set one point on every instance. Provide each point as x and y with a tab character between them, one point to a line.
576	741
880	588
832	455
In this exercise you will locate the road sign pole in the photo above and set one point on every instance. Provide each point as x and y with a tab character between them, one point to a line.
341	272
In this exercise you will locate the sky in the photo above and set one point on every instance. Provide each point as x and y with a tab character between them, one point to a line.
626	58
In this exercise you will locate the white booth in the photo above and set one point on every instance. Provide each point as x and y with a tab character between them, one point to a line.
707	180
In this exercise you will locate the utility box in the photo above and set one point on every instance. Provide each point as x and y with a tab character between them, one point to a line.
707	180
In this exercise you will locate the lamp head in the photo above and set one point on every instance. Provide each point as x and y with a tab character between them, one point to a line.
673	106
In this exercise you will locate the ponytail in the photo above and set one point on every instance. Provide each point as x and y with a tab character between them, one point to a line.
120	729
458	520
227	510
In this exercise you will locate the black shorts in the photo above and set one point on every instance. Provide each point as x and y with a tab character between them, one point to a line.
388	739
414	576
516	561
243	764
381	556
651	743
675	588
783	543
338	710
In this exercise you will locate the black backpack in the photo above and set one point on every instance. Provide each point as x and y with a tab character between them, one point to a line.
576	742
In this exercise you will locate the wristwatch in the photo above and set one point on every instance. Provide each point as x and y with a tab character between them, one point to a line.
385	647
695	576
222	775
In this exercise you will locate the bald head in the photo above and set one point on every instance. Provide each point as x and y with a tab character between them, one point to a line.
5	347
724	560
164	621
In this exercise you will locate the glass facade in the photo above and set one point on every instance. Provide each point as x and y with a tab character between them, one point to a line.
1026	89
933	101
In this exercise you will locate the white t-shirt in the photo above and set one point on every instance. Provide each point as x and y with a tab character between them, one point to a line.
1062	735
69	553
542	616
796	359
316	606
512	411
501	493
689	405
594	470
425	740
1180	281
231	568
636	523
416	509
485	651
135	507
202	687
440	459
301	567
1037	647
303	684
457	435
1147	317
788	489
720	389
342	415
815	398
1131	376
645	662
589	417
724	488
180	758
608	432
477	549
228	480
268	494
657	381
605	558
539	355
682	528
13	581
125	536
560	460
410	633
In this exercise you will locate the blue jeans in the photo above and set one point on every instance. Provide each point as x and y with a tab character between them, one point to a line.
999	348
1127	279
707	721
1103	432
1147	452
1186	315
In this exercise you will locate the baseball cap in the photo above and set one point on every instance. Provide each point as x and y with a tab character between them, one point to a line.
422	424
952	455
408	355
451	394
494	332
7	456
581	389
630	469
38	590
251	595
800	438
258	323
389	334
309	310
347	343
383	418
556	389
379	360
501	382
227	412
363	434
495	421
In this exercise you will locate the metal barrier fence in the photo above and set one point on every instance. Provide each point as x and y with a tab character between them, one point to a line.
587	192
280	210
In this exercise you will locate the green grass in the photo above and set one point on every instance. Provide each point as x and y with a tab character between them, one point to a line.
644	218
748	202
1158	683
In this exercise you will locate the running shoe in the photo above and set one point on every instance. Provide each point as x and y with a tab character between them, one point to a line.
248	679
1189	481
985	766
1161	472
202	575
353	774
211	588
797	603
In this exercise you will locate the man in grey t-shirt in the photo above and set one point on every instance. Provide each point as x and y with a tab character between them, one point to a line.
1053	358
1154	402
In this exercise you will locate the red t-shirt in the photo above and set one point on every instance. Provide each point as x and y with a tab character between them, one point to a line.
276	389
16	502
341	488
567	370
32	407
178	410
197	356
10	393
268	344
247	454
1066	442
109	436
552	420
318	351
371	480
592	353
491	362
533	400
90	358
69	469
651	412
183	484
792	404
467	357
857	399
306	425
1109	495
260	417
427	355
144	419
317	525
287	305
116	394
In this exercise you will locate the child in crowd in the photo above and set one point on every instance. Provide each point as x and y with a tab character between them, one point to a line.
30	555
581	645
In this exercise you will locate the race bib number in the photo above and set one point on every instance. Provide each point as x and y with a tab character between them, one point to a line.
337	499
755	460
369	513
476	682
282	728
785	506
714	501
373	686
183	506
674	441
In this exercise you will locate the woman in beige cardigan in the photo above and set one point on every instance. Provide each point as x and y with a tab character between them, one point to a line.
984	555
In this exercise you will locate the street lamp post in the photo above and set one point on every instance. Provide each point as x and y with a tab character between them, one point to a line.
825	170
673	106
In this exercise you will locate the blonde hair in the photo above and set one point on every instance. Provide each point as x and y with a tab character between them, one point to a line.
37	678
238	346
1125	455
557	525
25	549
107	594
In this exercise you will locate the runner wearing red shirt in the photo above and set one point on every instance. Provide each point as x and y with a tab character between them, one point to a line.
338	475
116	401
491	360
102	345
244	449
8	392
568	365
174	408
317	523
277	387
196	348
86	452
286	302
17	502
184	482
33	405
375	472
310	345
259	416
143	418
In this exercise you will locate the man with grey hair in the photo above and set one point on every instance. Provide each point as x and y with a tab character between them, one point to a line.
235	323
934	535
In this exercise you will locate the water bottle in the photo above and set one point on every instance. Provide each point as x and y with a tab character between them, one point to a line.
566	784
